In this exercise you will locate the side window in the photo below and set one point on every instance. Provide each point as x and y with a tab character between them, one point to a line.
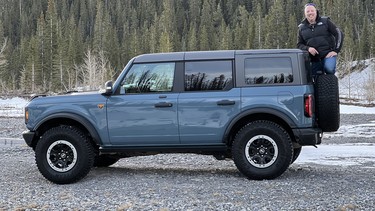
268	70
147	78
208	75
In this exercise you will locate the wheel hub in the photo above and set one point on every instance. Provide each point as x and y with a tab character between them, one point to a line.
261	151
61	156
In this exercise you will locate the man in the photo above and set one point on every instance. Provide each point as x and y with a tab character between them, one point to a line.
321	38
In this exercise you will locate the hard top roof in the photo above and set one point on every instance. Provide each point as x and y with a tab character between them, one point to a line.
206	55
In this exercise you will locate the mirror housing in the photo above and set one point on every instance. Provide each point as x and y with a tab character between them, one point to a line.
107	88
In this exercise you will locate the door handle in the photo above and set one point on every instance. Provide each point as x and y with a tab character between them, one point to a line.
225	102
163	105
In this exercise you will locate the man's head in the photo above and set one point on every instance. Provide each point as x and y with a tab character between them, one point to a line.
310	12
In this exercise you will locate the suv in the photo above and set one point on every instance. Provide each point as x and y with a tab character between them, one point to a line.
258	107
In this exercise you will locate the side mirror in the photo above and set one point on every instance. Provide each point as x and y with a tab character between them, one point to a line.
107	88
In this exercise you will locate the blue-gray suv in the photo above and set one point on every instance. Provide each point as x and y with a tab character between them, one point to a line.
257	107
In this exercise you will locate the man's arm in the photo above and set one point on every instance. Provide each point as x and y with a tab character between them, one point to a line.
337	33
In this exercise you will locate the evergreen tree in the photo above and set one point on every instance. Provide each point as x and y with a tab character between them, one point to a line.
48	39
51	45
167	27
241	29
28	73
206	27
276	32
100	27
259	26
154	36
364	41
225	36
372	41
3	40
250	42
292	31
192	40
41	75
204	42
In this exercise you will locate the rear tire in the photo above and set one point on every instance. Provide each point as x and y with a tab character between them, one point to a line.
64	155
327	102
296	152
262	150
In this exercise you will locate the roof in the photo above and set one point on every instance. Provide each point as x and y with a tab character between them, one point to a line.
206	55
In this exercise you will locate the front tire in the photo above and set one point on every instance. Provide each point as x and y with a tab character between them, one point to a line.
262	150
64	155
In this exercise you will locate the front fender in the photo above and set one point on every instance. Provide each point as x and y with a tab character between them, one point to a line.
97	138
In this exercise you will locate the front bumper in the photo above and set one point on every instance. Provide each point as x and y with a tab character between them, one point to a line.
29	137
308	136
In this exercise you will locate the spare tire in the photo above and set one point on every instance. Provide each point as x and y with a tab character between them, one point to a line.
327	102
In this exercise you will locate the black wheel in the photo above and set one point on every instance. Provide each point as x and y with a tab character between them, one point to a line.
296	152
105	160
262	150
327	102
64	155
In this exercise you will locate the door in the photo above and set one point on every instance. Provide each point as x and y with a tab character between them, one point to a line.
208	103
145	110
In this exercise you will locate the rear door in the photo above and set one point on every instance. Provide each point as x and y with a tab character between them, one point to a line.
208	101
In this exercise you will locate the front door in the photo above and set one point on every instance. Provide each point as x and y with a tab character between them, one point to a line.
145	110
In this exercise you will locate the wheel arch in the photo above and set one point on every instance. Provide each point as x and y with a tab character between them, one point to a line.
258	114
66	119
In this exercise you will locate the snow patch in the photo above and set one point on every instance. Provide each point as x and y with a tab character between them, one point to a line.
12	107
338	155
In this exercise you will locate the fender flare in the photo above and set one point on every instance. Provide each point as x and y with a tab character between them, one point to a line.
279	114
83	121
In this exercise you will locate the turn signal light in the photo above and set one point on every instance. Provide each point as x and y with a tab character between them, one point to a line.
26	115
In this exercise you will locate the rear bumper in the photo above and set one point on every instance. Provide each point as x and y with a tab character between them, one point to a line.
29	137
308	136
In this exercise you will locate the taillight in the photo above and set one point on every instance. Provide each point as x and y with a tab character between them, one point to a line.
309	103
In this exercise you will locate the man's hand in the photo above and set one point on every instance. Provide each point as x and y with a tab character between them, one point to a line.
331	54
313	51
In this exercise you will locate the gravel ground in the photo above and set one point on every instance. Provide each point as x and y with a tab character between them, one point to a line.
183	182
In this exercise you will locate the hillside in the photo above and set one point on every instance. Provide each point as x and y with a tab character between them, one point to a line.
357	86
59	44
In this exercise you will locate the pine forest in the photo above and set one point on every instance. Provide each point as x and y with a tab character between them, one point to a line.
54	46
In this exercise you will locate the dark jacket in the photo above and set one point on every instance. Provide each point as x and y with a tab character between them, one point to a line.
324	36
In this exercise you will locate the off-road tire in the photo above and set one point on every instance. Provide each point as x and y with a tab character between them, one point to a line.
105	160
262	150
296	153
64	154
327	102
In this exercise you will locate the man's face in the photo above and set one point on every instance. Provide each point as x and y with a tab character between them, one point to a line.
310	13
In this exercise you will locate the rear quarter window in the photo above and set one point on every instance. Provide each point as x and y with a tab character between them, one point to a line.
268	70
